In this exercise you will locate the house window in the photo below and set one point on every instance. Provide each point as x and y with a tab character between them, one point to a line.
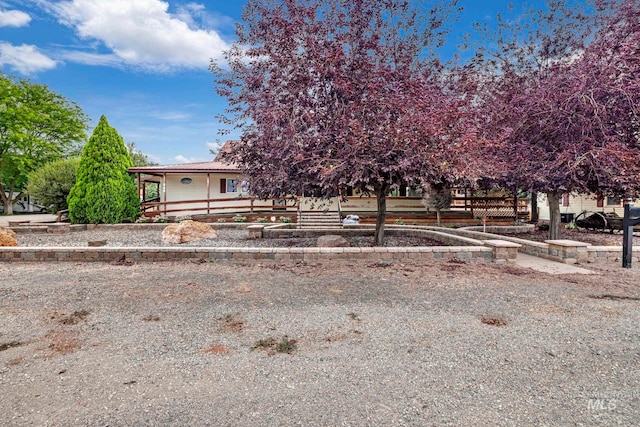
232	186
186	181
245	186
228	186
613	201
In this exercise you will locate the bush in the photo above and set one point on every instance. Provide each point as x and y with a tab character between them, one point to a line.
261	220
50	185
104	191
239	218
285	220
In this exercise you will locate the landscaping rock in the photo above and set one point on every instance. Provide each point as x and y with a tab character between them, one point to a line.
7	237
95	243
332	241
187	231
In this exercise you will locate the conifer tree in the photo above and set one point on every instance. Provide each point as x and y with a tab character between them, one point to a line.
104	191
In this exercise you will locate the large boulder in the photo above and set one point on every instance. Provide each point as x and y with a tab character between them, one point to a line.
332	241
187	231
7	237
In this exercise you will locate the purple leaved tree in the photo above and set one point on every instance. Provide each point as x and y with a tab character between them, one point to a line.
331	94
566	97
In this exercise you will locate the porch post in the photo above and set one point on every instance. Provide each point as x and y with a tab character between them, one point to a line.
208	193
140	195
164	192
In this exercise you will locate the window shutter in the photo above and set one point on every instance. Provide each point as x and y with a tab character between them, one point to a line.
565	199
600	202
223	186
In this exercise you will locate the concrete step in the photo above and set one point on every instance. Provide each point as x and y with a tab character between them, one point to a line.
319	219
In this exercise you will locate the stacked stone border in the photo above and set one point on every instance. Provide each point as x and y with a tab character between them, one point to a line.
459	247
469	244
567	251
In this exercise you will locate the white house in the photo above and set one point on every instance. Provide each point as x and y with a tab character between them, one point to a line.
572	205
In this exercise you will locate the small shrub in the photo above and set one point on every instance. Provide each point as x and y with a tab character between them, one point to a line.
75	318
160	220
221	220
273	346
399	221
494	321
239	218
50	185
286	345
261	220
8	345
285	220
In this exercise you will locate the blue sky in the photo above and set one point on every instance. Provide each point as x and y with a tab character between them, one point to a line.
141	63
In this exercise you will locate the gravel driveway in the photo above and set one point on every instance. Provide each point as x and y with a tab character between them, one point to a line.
331	344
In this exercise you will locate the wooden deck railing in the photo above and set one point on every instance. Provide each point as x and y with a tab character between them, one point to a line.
490	207
216	206
479	206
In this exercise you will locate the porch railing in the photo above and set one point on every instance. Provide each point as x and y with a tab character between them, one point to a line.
218	206
490	207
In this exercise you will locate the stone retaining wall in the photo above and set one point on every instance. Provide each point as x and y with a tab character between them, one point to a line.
114	254
469	244
561	250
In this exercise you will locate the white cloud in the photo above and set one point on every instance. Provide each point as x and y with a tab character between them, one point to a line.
88	58
26	59
182	159
14	18
143	33
173	116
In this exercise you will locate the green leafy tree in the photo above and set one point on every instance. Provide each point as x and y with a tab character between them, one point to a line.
138	157
104	191
50	185
37	126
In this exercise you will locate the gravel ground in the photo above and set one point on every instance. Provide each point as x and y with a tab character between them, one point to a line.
375	344
227	237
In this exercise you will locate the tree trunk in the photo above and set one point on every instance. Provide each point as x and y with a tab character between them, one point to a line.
6	201
554	215
381	196
534	206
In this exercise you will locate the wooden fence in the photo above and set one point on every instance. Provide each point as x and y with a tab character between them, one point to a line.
479	207
217	206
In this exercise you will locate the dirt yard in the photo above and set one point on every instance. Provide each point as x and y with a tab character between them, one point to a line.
322	344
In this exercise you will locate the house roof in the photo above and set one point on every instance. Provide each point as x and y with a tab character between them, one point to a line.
187	167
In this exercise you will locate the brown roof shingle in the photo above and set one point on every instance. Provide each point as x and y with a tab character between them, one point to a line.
187	167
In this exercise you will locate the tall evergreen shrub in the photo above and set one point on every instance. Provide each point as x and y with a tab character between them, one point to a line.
104	191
